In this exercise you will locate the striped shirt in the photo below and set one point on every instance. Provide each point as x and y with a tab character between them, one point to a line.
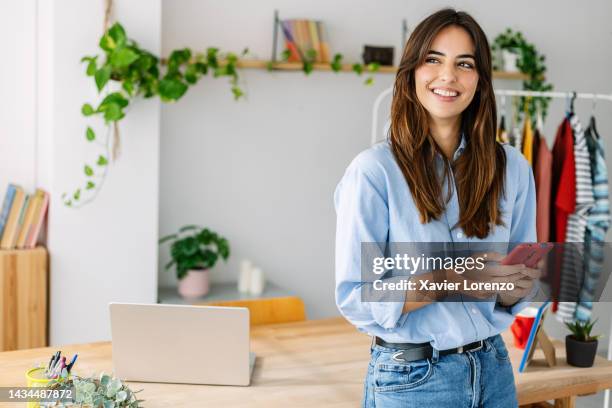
573	256
597	226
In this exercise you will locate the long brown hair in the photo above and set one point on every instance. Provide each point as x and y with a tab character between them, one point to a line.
480	170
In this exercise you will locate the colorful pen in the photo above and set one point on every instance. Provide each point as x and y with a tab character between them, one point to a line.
69	367
52	362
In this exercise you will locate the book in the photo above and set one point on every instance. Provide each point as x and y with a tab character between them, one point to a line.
290	44
39	218
26	225
298	36
323	42
21	219
11	229
306	44
302	35
314	36
6	206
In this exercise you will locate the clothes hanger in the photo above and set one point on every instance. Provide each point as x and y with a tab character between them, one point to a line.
592	127
569	105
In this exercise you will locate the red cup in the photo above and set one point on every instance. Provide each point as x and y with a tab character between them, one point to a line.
521	327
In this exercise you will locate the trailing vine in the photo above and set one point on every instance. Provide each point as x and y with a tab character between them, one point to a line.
335	65
139	74
529	62
136	72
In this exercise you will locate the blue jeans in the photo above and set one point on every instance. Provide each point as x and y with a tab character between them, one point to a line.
473	379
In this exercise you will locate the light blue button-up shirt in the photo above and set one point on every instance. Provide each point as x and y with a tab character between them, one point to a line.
374	204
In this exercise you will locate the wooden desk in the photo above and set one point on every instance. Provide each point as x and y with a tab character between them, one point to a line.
311	363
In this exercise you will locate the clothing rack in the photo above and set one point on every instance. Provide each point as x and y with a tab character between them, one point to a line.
500	92
512	92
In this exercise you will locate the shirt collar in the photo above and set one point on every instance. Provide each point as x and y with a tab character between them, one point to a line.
460	148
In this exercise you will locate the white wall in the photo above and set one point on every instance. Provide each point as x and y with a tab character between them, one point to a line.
18	88
106	251
262	171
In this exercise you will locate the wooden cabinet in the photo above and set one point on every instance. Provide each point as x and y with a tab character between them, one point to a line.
274	305
24	282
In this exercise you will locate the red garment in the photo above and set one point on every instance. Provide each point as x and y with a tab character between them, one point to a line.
563	183
542	168
562	198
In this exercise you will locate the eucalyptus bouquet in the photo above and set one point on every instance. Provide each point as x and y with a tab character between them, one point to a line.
104	391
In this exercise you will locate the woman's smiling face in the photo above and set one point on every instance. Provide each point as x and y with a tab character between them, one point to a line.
446	82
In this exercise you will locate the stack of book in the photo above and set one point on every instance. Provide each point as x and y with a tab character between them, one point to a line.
21	217
301	36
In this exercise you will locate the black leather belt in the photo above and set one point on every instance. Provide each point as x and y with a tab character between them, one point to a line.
418	351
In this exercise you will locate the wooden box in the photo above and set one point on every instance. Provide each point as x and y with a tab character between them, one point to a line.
23	298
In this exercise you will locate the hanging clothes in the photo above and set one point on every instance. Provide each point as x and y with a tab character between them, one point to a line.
502	134
563	183
527	142
598	223
537	135
562	199
515	135
573	255
542	166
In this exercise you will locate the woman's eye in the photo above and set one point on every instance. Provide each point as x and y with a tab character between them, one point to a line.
431	60
466	65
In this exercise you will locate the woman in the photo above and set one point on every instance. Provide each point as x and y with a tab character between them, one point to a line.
440	177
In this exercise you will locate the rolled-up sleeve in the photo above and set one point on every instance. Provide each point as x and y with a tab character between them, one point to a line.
362	216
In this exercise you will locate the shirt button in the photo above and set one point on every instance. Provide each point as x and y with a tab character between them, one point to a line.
460	235
474	311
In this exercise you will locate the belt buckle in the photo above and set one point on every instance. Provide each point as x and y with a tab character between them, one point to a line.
462	349
399	357
479	346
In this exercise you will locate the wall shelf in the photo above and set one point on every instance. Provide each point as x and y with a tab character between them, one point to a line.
297	66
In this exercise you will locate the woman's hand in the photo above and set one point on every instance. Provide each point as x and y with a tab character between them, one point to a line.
521	276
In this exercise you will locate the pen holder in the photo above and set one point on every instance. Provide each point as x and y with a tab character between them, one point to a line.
36	378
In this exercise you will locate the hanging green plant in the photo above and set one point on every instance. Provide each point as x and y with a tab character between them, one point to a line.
134	72
138	73
529	62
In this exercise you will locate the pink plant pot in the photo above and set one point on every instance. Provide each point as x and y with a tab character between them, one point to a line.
195	284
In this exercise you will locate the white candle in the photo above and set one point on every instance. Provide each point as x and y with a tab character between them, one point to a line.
244	278
257	282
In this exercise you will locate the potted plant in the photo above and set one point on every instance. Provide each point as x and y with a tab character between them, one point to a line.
102	391
194	250
580	346
512	52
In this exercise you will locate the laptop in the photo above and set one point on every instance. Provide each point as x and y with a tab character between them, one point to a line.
181	344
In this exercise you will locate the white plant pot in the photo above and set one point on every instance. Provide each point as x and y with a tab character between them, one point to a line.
196	284
510	59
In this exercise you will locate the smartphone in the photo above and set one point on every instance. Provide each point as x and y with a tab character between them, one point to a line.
519	255
527	254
